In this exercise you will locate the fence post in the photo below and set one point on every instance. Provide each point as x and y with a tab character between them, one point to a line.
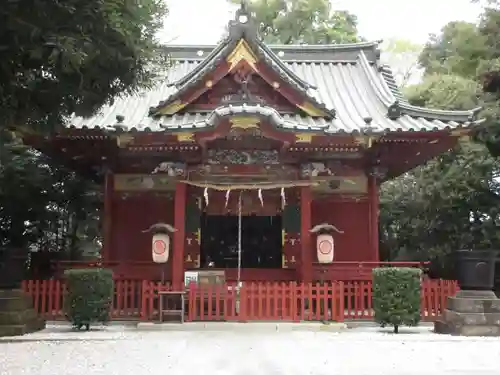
293	304
241	300
341	300
144	299
190	302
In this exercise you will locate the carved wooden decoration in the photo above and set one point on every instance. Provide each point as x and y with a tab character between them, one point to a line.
144	182
243	88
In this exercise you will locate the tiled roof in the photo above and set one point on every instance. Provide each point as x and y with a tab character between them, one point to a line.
348	81
356	89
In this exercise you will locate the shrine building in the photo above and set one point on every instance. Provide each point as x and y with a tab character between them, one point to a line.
244	148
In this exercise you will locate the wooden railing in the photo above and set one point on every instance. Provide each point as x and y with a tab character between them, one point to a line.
350	270
337	270
290	301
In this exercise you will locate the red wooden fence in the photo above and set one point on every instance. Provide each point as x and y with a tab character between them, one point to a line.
289	301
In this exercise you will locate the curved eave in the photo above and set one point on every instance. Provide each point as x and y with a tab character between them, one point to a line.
435	114
388	93
285	122
262	112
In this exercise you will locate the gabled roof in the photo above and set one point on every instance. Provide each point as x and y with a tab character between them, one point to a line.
241	44
346	81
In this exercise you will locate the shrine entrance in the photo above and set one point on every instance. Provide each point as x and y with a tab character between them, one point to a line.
261	244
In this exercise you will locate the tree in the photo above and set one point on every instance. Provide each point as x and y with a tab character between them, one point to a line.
303	22
402	56
452	202
60	57
456	50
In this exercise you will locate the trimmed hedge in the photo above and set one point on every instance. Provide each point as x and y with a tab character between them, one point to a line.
396	296
89	296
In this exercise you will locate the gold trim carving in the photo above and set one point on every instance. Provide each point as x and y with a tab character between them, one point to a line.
185	137
365	140
242	51
284	261
172	108
303	138
124	140
249	122
311	110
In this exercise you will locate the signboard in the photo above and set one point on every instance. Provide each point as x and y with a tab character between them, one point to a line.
190	277
212	277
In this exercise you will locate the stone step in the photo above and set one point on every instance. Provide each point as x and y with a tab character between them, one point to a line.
458	318
441	326
13	330
17	316
15	303
470	305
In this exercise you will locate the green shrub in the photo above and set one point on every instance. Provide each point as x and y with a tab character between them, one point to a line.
89	296
396	296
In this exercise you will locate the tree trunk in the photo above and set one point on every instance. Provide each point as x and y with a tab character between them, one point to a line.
396	329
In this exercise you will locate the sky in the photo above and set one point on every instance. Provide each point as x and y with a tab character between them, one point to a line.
203	21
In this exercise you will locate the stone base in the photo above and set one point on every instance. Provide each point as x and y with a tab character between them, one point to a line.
471	313
17	316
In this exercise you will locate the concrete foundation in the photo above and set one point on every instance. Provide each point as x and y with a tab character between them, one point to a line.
17	316
471	313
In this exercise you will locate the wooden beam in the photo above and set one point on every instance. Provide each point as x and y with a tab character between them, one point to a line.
107	218
179	236
373	217
306	254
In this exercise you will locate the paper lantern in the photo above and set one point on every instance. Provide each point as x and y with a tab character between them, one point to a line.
325	248
160	248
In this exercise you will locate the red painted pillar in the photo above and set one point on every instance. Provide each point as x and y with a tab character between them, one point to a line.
306	257
179	235
107	227
373	217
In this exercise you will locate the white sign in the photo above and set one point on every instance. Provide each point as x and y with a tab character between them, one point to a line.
190	277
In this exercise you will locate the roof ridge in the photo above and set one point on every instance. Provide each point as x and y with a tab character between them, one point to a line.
338	46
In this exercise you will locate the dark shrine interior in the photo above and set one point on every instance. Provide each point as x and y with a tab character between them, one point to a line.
260	241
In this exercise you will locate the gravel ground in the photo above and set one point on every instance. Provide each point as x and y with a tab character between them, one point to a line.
354	352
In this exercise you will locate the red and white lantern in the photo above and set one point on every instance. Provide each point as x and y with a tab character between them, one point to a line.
325	248
160	247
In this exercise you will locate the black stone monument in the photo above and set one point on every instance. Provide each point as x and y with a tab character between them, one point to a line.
475	310
17	315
